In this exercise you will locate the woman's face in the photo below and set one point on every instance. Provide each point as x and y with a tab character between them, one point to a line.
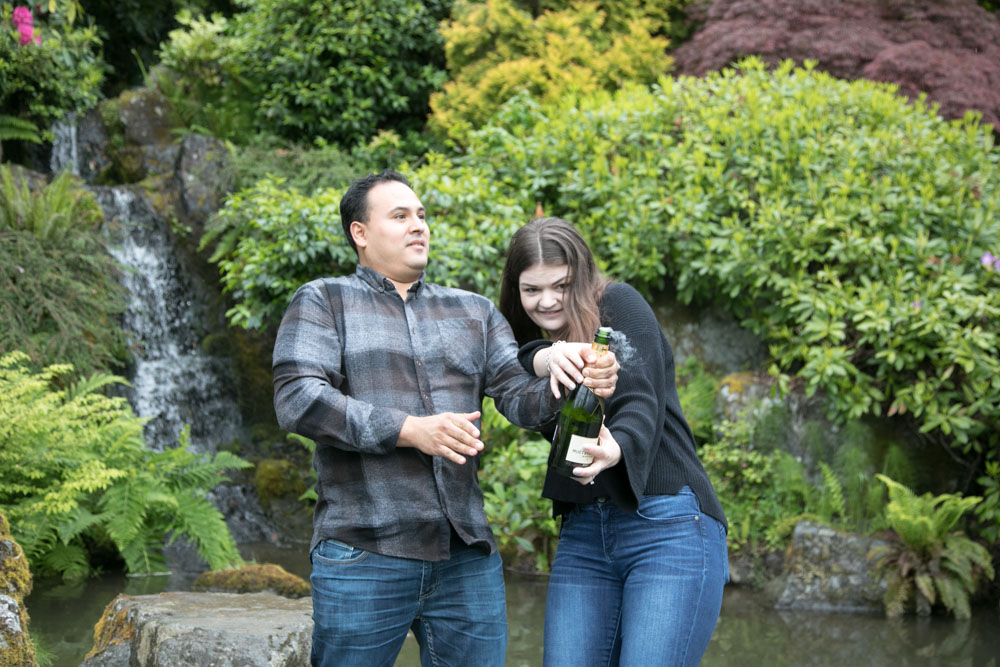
542	288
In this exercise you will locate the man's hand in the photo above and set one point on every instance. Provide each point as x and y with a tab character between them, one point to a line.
449	434
572	363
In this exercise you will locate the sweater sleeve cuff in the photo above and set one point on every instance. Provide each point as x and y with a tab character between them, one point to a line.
526	355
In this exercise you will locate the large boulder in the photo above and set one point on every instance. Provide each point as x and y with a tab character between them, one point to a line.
828	570
183	629
948	50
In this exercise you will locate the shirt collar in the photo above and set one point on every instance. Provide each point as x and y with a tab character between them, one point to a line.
383	284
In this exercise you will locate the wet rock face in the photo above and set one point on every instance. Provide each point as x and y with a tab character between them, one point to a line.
947	49
203	178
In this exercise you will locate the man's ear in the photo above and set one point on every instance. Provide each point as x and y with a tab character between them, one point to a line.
359	232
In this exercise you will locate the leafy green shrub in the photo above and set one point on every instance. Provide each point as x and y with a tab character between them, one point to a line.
137	28
696	389
269	240
495	50
511	478
56	72
75	475
988	511
302	168
337	70
308	168
926	561
663	17
61	298
845	226
763	494
202	79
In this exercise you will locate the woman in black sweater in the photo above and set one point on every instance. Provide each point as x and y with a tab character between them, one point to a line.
641	563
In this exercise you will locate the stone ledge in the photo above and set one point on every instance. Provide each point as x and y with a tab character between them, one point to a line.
183	629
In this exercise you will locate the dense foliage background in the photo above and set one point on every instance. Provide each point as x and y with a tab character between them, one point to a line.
854	232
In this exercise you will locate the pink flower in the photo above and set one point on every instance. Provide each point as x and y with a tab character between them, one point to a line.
27	34
22	16
989	261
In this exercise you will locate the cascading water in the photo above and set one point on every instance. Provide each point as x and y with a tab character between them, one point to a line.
65	148
173	383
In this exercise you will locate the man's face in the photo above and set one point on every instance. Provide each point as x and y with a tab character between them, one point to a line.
395	239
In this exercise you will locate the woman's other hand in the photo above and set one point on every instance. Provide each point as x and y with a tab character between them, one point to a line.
607	453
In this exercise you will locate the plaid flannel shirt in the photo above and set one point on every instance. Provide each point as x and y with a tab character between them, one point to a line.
352	360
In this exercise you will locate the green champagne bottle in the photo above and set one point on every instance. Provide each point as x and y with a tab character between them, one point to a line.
579	422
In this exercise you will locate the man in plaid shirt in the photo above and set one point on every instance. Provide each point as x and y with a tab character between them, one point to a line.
387	373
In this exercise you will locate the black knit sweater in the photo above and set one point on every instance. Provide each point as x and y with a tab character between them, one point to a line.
644	416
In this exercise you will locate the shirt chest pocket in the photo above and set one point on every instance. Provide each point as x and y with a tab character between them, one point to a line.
462	345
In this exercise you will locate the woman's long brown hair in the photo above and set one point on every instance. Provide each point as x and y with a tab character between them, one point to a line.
553	242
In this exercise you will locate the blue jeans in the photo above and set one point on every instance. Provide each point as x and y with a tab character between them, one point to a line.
635	589
364	603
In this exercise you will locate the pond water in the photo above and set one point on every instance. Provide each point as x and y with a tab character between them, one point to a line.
748	633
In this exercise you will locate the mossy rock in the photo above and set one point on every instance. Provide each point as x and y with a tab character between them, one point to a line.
277	478
115	626
254	579
16	647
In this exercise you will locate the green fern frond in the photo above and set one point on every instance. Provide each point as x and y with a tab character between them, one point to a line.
74	462
833	491
182	469
18	129
58	210
199	521
940	563
143	554
965	558
228	461
954	596
125	505
35	537
68	560
925	587
75	523
897	595
91	384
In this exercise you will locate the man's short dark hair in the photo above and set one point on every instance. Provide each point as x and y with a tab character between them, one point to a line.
354	203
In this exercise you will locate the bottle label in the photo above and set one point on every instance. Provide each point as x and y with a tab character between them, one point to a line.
575	453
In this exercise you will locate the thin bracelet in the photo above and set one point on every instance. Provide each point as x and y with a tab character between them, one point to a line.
548	359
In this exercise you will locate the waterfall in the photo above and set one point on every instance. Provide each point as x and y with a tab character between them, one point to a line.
65	147
174	383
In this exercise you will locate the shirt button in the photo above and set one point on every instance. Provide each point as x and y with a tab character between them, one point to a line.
418	363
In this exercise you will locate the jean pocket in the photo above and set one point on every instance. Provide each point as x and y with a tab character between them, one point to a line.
670	508
332	552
